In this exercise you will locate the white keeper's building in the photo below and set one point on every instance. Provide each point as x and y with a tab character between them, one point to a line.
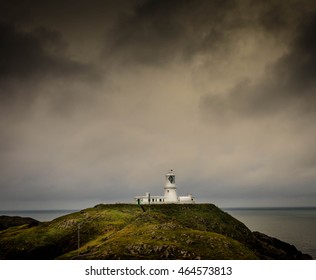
170	194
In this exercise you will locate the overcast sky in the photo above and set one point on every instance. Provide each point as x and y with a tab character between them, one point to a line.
99	99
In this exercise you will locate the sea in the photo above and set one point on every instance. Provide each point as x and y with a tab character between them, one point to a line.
296	226
39	215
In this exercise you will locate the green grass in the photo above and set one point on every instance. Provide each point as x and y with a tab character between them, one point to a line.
51	239
124	231
164	234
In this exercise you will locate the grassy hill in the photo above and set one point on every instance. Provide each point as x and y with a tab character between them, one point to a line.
124	231
10	221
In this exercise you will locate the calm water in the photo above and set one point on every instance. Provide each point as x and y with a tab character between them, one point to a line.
40	215
296	226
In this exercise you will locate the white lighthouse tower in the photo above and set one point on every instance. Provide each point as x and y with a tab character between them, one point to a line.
170	189
170	194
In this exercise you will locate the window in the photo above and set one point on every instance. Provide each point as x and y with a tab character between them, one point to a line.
171	179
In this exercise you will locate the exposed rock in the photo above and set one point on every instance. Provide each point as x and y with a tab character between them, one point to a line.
198	231
274	248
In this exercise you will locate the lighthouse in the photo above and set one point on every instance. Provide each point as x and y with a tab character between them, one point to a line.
170	194
170	189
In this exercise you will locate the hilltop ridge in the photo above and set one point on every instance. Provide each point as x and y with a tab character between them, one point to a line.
125	231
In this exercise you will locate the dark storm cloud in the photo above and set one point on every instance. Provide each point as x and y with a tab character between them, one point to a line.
161	31
20	54
70	11
278	16
158	32
288	84
23	54
29	58
297	70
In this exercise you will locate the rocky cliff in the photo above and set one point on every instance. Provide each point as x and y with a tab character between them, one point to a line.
124	231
